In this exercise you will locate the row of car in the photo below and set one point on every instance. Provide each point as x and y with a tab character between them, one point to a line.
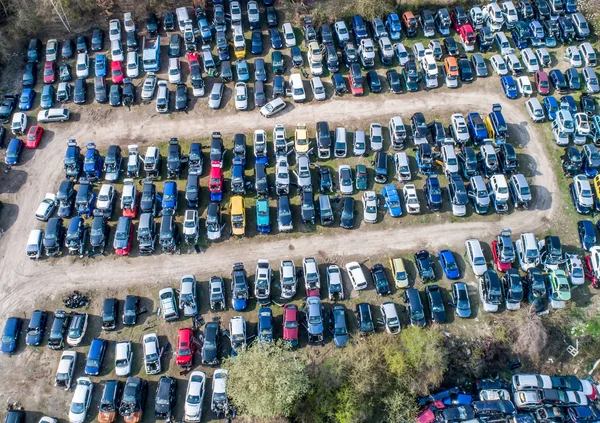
526	398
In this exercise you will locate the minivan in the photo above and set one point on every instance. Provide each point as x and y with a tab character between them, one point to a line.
535	110
380	165
402	167
414	307
34	244
323	140
325	210
340	147
297	87
479	194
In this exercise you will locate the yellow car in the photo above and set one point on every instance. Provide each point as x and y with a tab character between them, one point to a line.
301	141
237	211
399	272
596	185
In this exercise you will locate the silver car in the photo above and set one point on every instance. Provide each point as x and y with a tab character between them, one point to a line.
149	87
216	95
590	80
162	98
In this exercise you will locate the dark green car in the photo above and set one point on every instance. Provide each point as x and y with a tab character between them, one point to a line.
278	64
361	177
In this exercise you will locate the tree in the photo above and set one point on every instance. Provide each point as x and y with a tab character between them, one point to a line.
370	9
267	381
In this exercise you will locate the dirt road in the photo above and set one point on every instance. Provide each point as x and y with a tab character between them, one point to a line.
22	281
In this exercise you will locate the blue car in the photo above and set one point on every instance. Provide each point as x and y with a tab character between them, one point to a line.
587	234
551	107
205	32
340	327
10	335
243	72
449	265
13	151
276	41
95	357
257	46
392	200
100	65
573	80
509	86
476	127
85	199
265	325
460	299
239	287
433	193
558	81
359	28
47	99
394	27
169	198
263	223
93	162
26	99
567	102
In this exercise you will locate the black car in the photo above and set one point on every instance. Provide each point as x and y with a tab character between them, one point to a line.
130	310
57	331
284	214
326	35
148	203
79	95
410	74
166	396
132	41
485	39
307	209
587	104
66	51
82	44
211	348
169	22
109	314
508	159
394	81
512	286
436	304
175	45
134	396
365	319
29	75
451	46
111	397
433	193
418	125
15	416
100	94
271	17
36	328
181	97
260	98
65	196
192	188
128	92
347	217
424	267
534	282
374	81
115	97
414	307
382	285
152	24
7	107
97	40
99	234
54	236
464	69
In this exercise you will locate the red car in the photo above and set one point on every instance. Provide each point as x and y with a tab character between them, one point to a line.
185	347
467	35
116	69
193	57
501	266
588	270
428	415
355	79
215	183
34	136
290	324
49	72
542	83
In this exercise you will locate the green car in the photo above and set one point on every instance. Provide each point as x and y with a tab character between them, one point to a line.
277	63
561	290
361	177
262	215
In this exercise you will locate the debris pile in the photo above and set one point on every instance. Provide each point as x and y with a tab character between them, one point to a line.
76	300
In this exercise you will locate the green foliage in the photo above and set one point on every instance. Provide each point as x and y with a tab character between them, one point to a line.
267	381
370	9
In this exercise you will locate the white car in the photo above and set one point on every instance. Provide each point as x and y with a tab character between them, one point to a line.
376	136
530	60
123	358
357	276
460	131
262	281
187	295
51	49
527	251
595	261
411	201
345	179
303	171
475	256
77	329
116	51
335	285
18	125
524	86
581	123
359	144
369	200
128	22
574	268
253	13
317	88
219	399
582	193
573	56
174	70
133	64
287	277
498	65
288	34
510	13
114	30
513	64
282	175
241	96
235	12
390	317
499	188
239	42
149	86
315	58
543	57
82	69
105	198
195	396
401	53
449	159
151	354
66	367
82	398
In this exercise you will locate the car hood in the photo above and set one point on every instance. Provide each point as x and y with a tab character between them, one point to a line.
8	347
315	329
209	356
340	340
239	304
121	243
33	339
50	243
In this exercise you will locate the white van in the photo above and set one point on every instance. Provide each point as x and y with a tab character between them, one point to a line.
535	110
298	93
340	147
527	250
475	256
402	167
288	34
34	244
182	16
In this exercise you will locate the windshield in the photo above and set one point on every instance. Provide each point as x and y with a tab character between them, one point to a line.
77	408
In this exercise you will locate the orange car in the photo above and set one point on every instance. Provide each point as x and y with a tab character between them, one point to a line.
451	66
410	24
